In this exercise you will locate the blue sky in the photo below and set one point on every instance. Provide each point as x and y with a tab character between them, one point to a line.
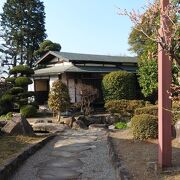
89	26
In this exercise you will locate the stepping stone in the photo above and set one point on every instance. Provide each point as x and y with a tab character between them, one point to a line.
70	143
61	162
58	174
64	154
76	148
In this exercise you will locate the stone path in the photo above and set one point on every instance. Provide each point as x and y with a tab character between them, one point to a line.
78	155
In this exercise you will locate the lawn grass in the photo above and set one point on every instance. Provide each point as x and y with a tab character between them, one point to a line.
12	145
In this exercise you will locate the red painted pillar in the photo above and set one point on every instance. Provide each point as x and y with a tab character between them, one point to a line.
164	104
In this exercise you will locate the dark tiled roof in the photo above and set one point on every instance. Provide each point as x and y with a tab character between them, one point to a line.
99	58
79	69
89	57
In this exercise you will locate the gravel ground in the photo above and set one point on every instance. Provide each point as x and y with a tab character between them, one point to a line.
96	162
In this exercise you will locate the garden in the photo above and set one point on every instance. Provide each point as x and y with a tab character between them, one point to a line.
129	112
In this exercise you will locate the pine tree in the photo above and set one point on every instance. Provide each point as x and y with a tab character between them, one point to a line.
46	46
23	28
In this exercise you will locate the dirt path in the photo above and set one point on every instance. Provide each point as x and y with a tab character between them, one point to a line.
81	155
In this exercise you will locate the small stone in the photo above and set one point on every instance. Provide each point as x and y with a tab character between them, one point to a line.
78	124
111	127
151	166
98	126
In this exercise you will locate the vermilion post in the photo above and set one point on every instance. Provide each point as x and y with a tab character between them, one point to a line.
164	103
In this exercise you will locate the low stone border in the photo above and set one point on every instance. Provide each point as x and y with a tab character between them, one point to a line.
13	164
121	172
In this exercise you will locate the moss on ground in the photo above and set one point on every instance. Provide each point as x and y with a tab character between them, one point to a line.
12	145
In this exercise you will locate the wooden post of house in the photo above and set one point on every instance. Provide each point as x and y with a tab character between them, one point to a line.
164	102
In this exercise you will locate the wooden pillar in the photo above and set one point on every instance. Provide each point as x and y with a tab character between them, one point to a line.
164	103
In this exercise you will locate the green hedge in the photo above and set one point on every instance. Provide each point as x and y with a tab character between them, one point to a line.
23	81
119	85
144	126
151	110
176	111
124	106
28	111
24	70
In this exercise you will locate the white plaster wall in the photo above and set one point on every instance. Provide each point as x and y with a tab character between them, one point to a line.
31	86
71	87
63	64
64	78
78	85
51	80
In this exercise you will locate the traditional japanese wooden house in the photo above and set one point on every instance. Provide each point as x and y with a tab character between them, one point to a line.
75	70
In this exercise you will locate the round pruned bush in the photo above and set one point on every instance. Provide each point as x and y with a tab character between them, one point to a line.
23	81
16	90
6	104
119	85
10	79
28	111
6	98
23	69
144	126
27	94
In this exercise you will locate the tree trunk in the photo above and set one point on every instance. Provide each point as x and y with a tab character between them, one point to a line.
59	116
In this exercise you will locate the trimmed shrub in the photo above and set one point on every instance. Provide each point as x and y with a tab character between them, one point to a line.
28	111
121	125
21	69
119	85
22	81
124	106
35	104
116	106
9	116
22	102
6	104
16	90
27	94
175	117
144	126
176	111
6	117
151	110
10	79
59	99
6	98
